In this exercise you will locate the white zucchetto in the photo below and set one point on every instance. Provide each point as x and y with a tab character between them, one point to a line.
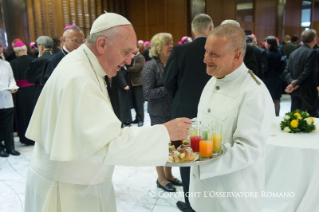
108	20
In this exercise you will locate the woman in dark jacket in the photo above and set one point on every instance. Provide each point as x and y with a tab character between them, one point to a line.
159	103
272	77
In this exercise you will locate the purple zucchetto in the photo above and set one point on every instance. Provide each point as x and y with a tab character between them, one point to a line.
18	44
68	27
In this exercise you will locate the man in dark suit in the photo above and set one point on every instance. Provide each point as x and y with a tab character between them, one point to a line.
261	57
300	74
35	70
24	98
72	39
184	79
317	72
289	47
146	52
135	69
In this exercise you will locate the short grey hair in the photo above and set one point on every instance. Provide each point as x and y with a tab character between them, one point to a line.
110	34
157	43
46	41
249	38
307	36
234	35
201	23
20	49
232	22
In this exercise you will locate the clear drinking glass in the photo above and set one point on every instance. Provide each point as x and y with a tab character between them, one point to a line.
217	138
206	143
194	136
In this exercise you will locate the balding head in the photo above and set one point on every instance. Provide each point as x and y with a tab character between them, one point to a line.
232	22
233	34
225	50
72	38
309	36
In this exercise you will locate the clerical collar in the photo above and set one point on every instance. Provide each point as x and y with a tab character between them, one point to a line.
47	51
64	50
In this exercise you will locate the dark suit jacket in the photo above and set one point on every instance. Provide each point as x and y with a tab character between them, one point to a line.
302	66
317	77
263	66
35	71
136	70
146	54
288	48
261	59
185	77
274	60
51	64
120	97
250	59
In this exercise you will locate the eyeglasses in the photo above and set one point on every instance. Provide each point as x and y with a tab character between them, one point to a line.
76	41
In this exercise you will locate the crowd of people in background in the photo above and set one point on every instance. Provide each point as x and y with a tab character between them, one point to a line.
170	78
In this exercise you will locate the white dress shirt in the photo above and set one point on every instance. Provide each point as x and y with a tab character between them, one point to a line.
6	81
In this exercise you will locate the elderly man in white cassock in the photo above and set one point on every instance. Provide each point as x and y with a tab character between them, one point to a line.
238	100
78	137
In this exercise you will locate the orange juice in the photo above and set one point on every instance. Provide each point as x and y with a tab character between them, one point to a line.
217	141
205	148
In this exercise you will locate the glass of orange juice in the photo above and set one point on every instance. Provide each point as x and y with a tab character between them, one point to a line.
217	139
206	144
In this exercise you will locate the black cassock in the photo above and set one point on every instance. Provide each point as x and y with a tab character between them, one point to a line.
34	74
24	97
120	97
52	64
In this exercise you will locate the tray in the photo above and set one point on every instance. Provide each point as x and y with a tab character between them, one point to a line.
198	161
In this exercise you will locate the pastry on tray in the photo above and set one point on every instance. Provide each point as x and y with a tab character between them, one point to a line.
183	154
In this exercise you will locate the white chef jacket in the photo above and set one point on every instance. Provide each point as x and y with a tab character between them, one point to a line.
246	112
79	140
6	80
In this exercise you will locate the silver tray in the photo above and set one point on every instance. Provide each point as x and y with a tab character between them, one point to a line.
198	161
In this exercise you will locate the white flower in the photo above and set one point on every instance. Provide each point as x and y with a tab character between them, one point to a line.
286	117
308	120
286	129
299	118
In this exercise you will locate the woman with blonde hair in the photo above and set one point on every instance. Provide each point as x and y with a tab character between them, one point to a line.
159	103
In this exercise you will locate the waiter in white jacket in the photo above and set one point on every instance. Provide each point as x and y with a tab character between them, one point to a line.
79	138
238	100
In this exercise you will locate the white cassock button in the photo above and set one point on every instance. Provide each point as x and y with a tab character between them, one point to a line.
217	87
208	110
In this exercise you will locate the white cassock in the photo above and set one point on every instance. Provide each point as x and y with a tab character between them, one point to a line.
79	140
246	112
